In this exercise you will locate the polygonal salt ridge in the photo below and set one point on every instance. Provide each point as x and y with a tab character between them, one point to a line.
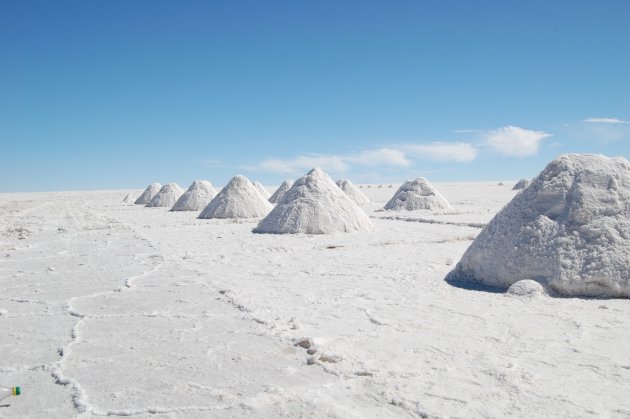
238	199
167	196
315	205
418	194
569	230
196	197
353	192
279	193
148	194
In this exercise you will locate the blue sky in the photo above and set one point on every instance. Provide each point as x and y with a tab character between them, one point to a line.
118	94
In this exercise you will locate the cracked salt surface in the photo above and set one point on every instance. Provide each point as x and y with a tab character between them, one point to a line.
151	313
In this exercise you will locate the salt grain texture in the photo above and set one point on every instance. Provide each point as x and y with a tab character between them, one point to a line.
569	230
238	199
521	184
353	192
279	193
417	194
196	197
315	205
167	196
148	194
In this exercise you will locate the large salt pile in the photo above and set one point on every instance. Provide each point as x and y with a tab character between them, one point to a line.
148	194
263	191
196	197
279	193
238	199
569	230
521	184
167	196
353	192
315	205
417	194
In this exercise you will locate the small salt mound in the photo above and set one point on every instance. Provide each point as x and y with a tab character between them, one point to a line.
238	199
167	196
525	288
569	230
353	192
417	194
148	194
315	205
279	193
521	184
263	191
129	199
196	197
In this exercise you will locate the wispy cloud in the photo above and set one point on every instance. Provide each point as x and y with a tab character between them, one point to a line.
334	163
443	152
515	141
605	121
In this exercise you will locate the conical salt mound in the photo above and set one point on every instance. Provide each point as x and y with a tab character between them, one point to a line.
353	192
167	196
238	199
417	194
315	205
279	193
196	197
263	191
521	184
569	230
148	194
129	199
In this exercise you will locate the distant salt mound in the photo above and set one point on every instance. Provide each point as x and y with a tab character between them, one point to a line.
569	230
167	196
129	199
417	194
521	184
315	205
196	197
279	193
238	199
353	192
148	194
263	191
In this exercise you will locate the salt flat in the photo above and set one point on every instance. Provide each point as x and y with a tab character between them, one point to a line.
114	309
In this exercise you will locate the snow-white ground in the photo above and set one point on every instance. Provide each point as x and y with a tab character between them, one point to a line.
114	309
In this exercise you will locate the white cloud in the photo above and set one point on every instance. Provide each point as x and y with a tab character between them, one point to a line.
298	164
334	163
383	156
515	141
441	151
605	121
